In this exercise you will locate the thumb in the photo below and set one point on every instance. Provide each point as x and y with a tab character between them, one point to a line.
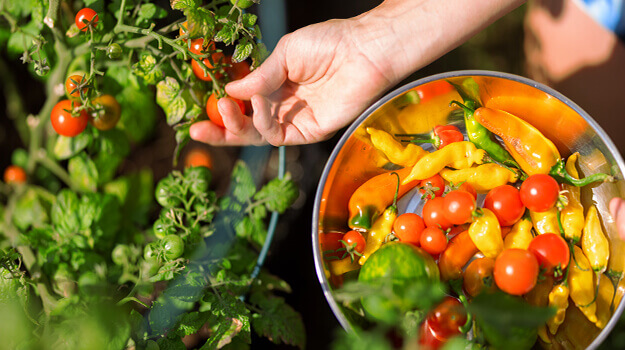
617	209
265	79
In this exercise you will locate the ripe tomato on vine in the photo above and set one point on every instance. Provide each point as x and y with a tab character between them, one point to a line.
66	124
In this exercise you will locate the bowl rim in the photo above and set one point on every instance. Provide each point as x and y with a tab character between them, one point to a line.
318	262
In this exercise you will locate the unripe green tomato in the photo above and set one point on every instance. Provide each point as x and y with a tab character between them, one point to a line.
199	178
120	254
164	193
150	252
173	245
242	3
162	229
114	51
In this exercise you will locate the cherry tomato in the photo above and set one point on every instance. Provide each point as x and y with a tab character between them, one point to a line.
354	241
238	70
427	338
505	202
458	207
64	123
150	252
197	46
14	174
516	271
478	276
198	157
432	187
213	112
408	227
539	192
434	214
447	136
107	113
173	246
465	186
330	244
86	15
183	29
433	240
446	318
199	72
551	251
71	86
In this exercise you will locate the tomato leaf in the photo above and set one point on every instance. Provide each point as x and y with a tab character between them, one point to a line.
202	22
64	212
242	182
148	69
67	147
83	173
252	229
277	321
149	11
138	119
278	194
184	4
171	343
31	209
242	51
227	34
504	312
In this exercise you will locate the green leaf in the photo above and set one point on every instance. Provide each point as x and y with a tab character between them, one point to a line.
184	4
107	219
277	321
83	173
227	34
504	312
169	98
67	147
64	213
31	210
148	69
259	54
375	339
135	193
190	323
251	229
175	110
150	11
242	182
278	194
202	22
21	41
249	19
242	51
118	77
171	344
138	119
229	318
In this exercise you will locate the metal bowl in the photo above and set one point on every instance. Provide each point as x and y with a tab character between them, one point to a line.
354	160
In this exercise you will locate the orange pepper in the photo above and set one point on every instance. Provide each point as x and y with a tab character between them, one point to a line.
460	250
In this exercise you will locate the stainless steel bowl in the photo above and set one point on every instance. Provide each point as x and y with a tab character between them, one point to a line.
560	119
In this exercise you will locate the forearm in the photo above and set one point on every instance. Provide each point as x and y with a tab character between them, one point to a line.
401	36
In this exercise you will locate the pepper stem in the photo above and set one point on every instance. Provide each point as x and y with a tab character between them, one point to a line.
558	171
396	190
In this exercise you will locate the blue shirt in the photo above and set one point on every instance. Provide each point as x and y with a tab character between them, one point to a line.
609	13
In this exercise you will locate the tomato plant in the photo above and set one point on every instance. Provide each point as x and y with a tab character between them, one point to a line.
516	271
64	122
108	229
552	253
408	227
505	202
539	192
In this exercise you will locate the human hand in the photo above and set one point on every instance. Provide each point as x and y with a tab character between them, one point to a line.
315	82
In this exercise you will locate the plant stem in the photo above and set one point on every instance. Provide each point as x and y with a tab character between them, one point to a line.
56	169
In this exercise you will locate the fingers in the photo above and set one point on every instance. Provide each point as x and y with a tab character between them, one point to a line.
265	79
238	128
617	209
265	122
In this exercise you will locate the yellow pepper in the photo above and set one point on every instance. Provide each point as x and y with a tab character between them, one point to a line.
595	244
546	221
485	233
559	300
457	155
394	150
605	300
381	228
539	296
534	153
339	267
520	236
572	215
483	177
582	285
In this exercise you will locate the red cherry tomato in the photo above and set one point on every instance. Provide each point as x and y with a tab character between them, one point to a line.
330	244
71	86
433	89
427	338
433	240
197	46
478	276
539	192
434	214
84	16
446	137
213	112
551	251
465	186
108	112
432	187
408	228
516	271
14	174
199	72
505	202
64	123
458	206
446	318
238	70
354	241
198	157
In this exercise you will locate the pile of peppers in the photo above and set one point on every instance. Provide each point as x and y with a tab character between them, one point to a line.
499	149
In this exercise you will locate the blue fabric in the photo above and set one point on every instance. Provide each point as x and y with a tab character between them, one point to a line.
609	13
